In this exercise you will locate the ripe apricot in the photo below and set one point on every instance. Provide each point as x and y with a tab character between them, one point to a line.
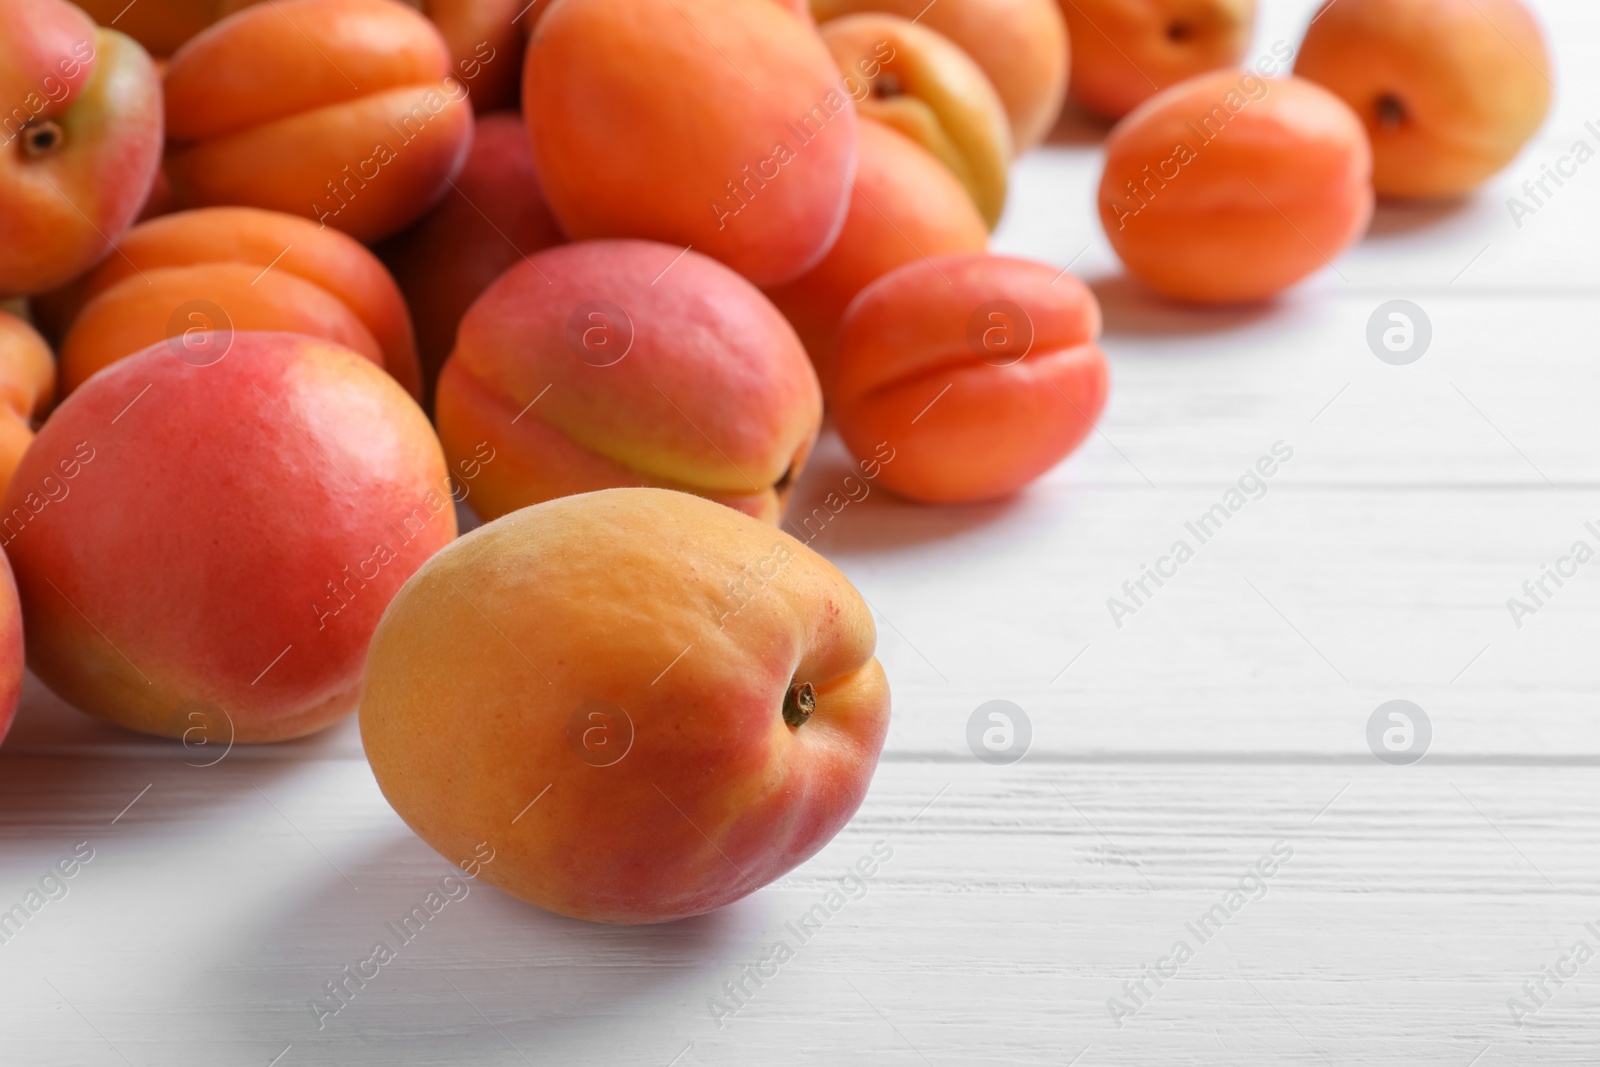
221	538
342	111
192	306
628	363
646	705
1126	51
232	268
1449	90
695	122
491	217
263	270
12	663
27	383
80	141
486	39
923	85
162	26
905	205
1020	44
1230	187
978	372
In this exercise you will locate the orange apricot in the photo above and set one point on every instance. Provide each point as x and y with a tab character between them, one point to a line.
905	205
27	384
919	82
528	658
1449	90
1229	187
193	306
342	111
1020	44
262	270
491	217
162	26
486	39
693	122
608	364
966	377
80	141
1125	51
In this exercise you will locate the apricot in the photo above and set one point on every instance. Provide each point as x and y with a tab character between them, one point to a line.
342	111
80	141
260	270
628	363
647	706
490	219
968	376
694	122
1021	45
1449	90
27	383
1125	51
12	663
162	26
220	538
1229	188
905	205
923	85
194	306
486	40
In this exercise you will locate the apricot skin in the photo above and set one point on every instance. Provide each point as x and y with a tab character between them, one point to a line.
1021	45
692	122
1125	51
337	110
264	269
137	312
162	26
921	83
905	205
979	372
1229	188
27	383
12	663
491	218
483	658
1449	90
208	536
697	384
59	210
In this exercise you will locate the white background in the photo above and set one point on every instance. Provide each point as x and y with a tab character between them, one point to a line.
1229	714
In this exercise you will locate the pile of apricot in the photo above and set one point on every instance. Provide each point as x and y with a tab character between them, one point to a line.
289	286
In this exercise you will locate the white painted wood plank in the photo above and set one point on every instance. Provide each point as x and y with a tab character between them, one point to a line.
1414	904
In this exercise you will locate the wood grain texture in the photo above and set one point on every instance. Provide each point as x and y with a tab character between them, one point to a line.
1170	754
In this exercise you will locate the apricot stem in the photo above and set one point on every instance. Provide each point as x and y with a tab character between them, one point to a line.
1391	112
799	704
41	138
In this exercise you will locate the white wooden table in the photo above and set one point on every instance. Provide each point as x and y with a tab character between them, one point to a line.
1227	717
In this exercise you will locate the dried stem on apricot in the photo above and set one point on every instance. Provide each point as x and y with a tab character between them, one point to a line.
799	704
41	138
1391	112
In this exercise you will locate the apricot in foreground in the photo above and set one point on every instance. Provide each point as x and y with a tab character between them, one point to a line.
647	705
